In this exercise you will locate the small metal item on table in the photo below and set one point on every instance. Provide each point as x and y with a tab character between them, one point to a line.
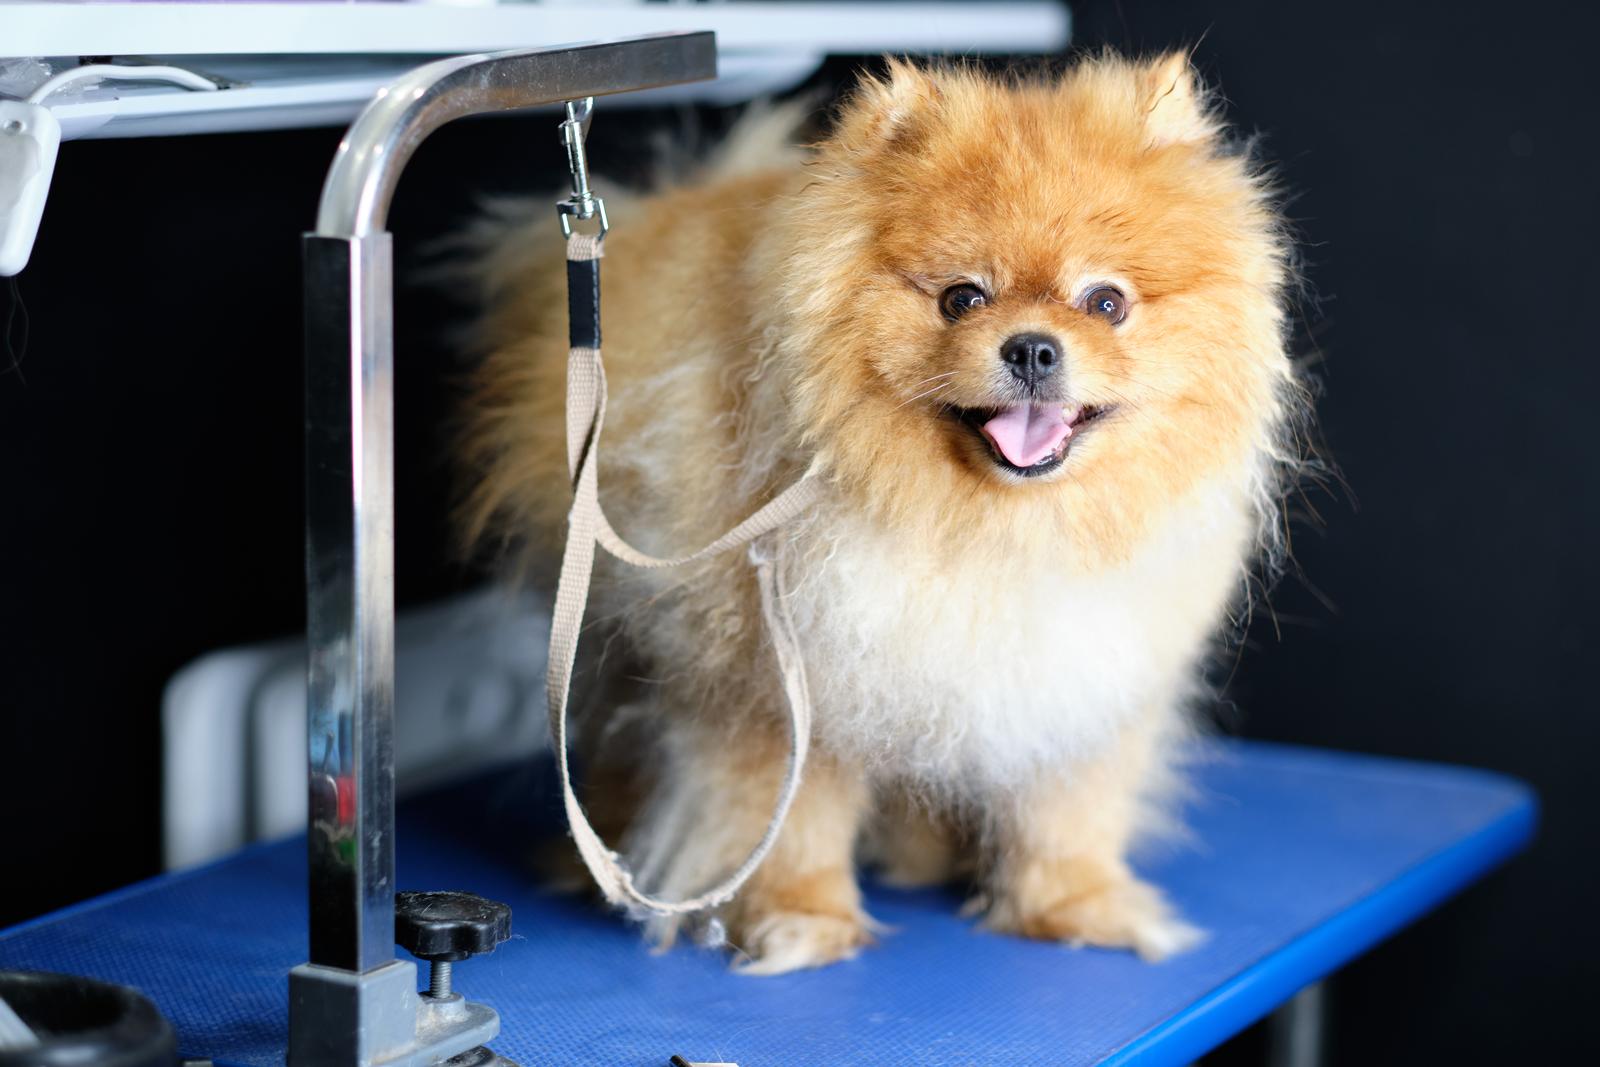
354	1004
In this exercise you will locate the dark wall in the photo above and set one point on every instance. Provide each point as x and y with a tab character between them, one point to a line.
1444	167
149	477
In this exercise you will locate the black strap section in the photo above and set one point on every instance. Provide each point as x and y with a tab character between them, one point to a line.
583	303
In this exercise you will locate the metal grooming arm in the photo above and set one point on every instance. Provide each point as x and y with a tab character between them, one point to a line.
354	1003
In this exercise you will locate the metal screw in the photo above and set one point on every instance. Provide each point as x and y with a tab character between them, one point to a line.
439	979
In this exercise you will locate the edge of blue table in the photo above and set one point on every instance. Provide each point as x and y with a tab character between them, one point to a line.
1298	860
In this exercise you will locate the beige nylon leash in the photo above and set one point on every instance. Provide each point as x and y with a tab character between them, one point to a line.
587	526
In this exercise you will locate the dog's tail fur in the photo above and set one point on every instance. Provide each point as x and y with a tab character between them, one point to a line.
766	135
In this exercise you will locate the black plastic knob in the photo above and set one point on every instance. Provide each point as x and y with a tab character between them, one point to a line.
446	927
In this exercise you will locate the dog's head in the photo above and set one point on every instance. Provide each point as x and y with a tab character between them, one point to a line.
1050	305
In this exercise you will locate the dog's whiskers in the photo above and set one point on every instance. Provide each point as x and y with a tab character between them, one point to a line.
919	396
932	378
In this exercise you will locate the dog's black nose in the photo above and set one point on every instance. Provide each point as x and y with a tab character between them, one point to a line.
1032	357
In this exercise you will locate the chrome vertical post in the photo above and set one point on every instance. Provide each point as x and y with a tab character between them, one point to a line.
350	598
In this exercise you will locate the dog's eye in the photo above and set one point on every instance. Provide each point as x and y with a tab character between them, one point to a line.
1107	303
957	300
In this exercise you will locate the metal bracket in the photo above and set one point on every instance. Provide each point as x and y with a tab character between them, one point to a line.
396	1028
582	204
350	994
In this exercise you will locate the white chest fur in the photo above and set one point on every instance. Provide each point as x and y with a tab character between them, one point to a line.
949	671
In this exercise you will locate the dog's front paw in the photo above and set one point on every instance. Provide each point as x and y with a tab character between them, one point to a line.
1092	905
785	941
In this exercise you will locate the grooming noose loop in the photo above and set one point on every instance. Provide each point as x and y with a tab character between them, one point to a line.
588	528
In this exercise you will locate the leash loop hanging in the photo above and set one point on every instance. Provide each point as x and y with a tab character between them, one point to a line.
588	527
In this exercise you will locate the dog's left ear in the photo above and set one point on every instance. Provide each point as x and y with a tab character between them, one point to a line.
886	110
1174	103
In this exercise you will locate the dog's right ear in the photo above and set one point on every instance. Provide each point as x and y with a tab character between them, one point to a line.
885	110
1174	102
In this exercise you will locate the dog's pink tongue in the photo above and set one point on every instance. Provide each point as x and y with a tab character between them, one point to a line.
1027	433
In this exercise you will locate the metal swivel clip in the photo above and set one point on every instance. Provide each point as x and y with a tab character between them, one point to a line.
582	204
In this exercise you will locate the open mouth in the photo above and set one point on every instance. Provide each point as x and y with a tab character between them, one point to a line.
1029	439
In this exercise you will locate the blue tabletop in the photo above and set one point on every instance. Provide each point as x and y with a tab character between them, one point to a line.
1300	860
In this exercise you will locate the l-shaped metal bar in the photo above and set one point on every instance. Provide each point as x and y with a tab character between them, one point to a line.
349	333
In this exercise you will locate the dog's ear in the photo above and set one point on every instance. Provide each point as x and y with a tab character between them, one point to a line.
1174	102
887	109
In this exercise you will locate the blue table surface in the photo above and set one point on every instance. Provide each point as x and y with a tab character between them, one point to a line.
1300	860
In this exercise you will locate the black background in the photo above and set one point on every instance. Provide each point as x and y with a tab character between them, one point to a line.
1444	162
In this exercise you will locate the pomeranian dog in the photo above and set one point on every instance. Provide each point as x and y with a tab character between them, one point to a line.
1033	334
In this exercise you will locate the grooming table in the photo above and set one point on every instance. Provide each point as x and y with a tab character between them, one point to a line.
1301	860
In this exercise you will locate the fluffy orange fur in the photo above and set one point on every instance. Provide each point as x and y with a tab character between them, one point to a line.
1000	663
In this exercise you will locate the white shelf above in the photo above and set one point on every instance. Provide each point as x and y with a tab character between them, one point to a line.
65	29
287	92
315	64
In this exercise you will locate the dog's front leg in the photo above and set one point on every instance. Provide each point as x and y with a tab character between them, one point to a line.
802	907
1060	855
